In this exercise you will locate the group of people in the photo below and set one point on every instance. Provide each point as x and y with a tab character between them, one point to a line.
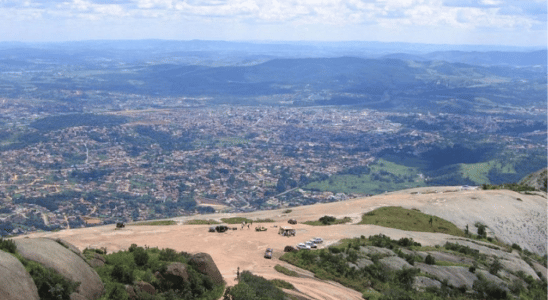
244	223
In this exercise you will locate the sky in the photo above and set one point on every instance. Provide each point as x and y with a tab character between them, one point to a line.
476	22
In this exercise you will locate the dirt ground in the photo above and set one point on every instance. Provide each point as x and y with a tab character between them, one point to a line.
510	219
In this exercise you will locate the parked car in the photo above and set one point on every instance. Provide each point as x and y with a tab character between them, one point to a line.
317	240
268	253
303	246
311	244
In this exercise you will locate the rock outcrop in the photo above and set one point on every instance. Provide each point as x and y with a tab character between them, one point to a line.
205	265
16	283
395	263
176	273
53	255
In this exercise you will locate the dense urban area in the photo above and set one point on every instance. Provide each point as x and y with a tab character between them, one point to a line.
86	140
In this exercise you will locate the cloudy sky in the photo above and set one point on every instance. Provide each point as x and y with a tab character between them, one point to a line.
497	22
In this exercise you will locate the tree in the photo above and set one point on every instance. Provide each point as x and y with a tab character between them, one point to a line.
481	230
430	260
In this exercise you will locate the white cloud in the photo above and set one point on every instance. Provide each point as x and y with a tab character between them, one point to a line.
339	16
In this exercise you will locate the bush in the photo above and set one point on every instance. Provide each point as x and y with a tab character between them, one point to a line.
7	245
408	242
481	230
285	271
516	246
472	269
488	290
49	283
168	255
140	256
282	284
123	274
495	267
254	287
430	260
326	220
406	277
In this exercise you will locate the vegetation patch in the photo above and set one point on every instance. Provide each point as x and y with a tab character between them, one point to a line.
377	178
7	245
285	271
375	281
155	223
202	222
142	264
236	220
411	220
328	220
50	284
282	284
254	287
516	187
264	221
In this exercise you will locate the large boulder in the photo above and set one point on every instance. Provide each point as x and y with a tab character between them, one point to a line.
177	274
372	250
16	283
70	246
205	265
442	256
97	261
53	255
421	283
540	268
144	287
456	276
395	263
516	265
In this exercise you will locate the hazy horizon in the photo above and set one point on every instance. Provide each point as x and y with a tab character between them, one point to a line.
438	22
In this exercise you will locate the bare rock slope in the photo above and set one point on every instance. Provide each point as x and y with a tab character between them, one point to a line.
16	283
53	255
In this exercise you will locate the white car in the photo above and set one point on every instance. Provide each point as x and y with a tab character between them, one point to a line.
303	246
311	244
317	240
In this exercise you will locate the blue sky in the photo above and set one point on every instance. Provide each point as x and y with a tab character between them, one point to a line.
487	22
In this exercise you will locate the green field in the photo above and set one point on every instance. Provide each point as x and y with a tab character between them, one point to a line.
479	172
239	220
337	221
201	222
384	176
410	220
154	223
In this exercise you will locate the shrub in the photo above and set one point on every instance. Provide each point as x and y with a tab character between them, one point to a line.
406	277
430	260
472	269
49	283
123	274
488	290
255	287
7	245
407	242
285	271
334	250
495	267
516	246
118	293
481	230
140	256
168	255
326	220
282	284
